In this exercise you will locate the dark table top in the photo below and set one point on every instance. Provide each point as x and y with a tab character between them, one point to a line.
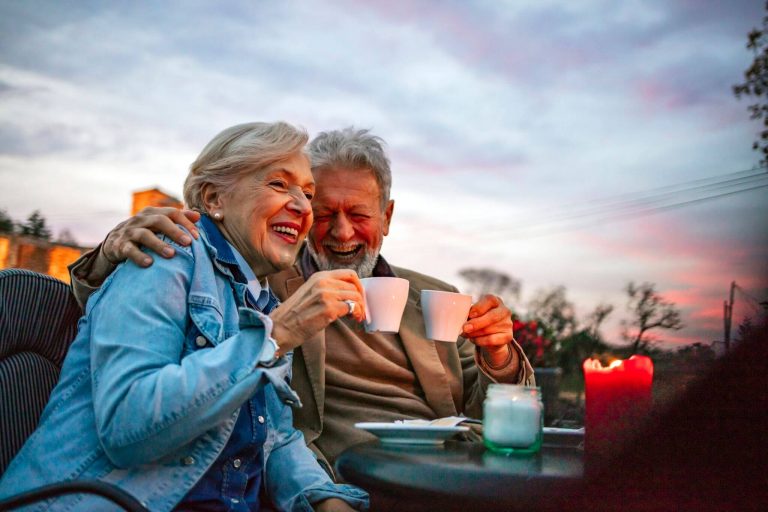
463	475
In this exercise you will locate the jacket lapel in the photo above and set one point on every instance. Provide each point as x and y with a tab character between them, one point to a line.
424	357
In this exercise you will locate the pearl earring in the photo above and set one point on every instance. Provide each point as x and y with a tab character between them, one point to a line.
217	215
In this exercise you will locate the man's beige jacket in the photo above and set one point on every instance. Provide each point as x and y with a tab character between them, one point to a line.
447	372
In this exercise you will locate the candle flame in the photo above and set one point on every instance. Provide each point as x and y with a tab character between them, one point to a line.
596	364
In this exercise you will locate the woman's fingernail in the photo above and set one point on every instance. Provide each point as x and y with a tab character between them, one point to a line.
185	240
146	262
168	252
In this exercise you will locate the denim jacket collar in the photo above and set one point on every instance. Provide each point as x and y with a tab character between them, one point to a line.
233	264
221	251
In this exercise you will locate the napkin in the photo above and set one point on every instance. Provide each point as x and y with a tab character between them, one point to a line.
448	421
475	433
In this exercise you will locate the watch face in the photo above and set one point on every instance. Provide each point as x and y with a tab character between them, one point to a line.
268	351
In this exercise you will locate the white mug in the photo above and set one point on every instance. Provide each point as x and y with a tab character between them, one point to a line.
444	313
385	298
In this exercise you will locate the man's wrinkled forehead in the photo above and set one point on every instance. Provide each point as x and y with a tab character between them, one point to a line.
345	185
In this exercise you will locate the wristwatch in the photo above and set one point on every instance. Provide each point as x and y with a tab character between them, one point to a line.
270	353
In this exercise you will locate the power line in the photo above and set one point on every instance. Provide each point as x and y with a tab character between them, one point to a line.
652	210
549	228
752	298
755	171
565	222
638	205
645	198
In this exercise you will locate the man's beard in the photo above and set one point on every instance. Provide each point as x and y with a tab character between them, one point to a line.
362	266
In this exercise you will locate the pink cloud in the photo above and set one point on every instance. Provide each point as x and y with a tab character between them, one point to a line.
658	94
661	245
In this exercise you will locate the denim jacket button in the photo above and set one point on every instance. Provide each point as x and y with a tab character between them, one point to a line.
237	463
200	341
188	461
261	419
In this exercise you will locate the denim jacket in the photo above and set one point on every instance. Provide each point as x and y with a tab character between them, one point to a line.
152	386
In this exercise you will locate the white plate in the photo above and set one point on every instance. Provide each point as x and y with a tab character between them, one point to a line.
398	433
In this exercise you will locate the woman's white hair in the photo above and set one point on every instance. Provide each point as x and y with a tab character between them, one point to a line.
237	151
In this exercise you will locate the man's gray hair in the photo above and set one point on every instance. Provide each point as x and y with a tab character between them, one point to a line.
355	150
237	151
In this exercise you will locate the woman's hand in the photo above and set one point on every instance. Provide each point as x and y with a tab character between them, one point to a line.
316	304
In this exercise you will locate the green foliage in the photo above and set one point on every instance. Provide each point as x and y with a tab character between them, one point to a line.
696	355
554	312
576	348
6	222
35	226
752	331
756	85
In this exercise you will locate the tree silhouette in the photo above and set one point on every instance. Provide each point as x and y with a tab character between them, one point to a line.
650	311
756	85
577	347
6	222
66	237
487	280
554	311
35	226
596	318
753	331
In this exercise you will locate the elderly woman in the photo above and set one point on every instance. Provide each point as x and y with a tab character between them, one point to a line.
176	388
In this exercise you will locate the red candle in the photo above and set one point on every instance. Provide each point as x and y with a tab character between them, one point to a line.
618	398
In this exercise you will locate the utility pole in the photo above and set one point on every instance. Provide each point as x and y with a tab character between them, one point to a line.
727	317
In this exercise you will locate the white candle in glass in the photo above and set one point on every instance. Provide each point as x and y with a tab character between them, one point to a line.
512	419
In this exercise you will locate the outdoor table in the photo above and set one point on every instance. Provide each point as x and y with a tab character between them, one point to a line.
460	475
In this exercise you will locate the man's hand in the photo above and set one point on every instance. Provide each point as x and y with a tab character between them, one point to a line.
333	505
490	326
316	304
125	241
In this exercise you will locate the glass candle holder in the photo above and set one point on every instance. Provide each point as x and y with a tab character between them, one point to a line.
513	419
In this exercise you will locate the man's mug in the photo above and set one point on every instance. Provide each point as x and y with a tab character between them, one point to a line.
444	313
385	298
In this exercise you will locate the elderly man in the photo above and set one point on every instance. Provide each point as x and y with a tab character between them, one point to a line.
345	375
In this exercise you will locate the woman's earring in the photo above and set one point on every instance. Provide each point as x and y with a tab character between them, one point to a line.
217	215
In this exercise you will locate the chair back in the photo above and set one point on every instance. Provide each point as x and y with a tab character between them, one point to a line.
38	321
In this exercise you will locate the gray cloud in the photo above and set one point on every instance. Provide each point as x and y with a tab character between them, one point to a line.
505	107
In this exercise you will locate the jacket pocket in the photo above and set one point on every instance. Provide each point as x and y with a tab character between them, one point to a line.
207	319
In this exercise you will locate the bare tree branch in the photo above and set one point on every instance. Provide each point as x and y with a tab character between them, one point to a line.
650	311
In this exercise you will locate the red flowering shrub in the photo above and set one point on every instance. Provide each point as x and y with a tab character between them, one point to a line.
537	348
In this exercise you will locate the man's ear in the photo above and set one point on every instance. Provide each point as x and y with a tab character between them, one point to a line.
213	199
388	215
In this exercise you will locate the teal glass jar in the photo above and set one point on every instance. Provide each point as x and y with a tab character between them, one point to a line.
513	419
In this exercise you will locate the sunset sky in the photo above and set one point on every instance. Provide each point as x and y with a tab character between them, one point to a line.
583	144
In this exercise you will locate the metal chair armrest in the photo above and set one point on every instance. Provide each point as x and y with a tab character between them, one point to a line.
103	489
